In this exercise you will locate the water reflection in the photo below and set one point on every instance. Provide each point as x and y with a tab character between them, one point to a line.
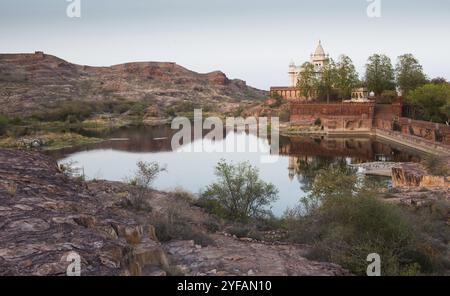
301	158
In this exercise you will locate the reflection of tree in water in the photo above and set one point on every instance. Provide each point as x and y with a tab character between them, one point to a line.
309	167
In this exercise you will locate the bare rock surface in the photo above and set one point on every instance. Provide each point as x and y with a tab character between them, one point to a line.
44	216
231	256
416	196
415	175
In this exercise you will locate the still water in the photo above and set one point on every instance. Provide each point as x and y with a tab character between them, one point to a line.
301	157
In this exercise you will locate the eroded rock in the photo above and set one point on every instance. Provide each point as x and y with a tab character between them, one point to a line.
51	215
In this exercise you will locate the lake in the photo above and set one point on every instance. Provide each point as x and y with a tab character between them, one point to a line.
300	158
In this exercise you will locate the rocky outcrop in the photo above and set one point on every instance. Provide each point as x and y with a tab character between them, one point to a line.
419	197
44	216
415	175
29	82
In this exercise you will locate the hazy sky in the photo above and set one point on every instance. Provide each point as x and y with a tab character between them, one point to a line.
249	39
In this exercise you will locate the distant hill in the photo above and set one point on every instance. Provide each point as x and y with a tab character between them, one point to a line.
36	82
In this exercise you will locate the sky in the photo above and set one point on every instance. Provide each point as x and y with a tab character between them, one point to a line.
253	40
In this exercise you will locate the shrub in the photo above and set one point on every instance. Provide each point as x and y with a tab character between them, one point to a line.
345	230
318	122
212	226
3	124
239	193
331	182
348	224
239	231
174	225
171	112
182	194
138	108
239	111
142	181
72	119
278	100
437	165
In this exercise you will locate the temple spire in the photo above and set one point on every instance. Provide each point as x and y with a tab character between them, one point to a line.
319	50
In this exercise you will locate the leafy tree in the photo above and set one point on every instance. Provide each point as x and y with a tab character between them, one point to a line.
346	76
331	182
379	74
307	82
409	73
387	97
240	192
439	80
308	170
326	80
431	102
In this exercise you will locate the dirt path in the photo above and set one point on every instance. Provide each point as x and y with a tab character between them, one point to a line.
231	256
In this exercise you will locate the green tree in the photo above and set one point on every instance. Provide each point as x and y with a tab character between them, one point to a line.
409	73
346	77
431	102
327	80
333	181
240	192
379	74
307	82
438	80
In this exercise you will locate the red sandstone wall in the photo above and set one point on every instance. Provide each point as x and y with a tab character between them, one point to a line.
335	109
336	116
430	131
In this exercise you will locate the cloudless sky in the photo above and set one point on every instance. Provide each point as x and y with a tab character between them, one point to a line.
253	40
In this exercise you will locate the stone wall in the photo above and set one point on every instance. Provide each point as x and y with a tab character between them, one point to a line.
434	132
335	117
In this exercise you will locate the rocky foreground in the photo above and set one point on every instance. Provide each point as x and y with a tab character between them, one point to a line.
45	215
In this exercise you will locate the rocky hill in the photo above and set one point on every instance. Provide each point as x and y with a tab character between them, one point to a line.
30	82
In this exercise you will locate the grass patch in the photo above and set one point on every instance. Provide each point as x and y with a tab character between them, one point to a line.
48	141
